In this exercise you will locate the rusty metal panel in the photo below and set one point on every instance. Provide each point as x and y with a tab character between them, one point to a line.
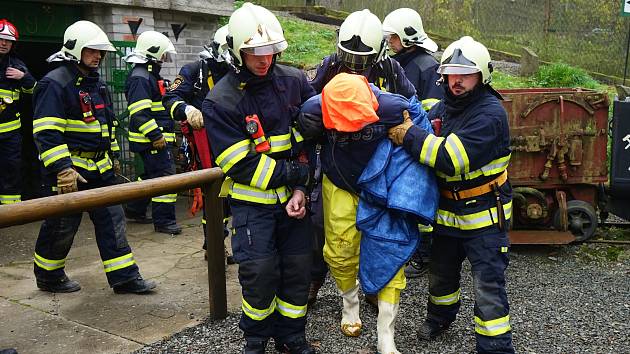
558	136
531	237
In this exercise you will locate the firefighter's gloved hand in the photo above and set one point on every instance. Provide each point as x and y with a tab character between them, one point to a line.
397	134
67	181
194	117
159	144
117	168
298	174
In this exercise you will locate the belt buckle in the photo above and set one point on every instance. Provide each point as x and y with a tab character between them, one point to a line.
455	192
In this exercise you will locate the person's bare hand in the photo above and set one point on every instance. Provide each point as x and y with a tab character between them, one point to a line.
14	74
296	207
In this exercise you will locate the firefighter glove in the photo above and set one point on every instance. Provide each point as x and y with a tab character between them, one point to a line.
298	174
67	181
397	133
159	144
194	117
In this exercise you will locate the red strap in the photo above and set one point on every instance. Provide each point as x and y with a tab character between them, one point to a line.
99	106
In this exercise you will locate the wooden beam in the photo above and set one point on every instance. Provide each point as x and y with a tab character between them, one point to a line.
217	293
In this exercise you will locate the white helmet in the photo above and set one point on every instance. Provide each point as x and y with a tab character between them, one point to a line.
219	47
407	25
466	56
79	35
254	30
151	46
360	42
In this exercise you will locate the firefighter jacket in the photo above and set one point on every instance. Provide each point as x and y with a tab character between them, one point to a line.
345	155
275	99
73	120
148	119
387	74
421	69
192	85
472	149
10	92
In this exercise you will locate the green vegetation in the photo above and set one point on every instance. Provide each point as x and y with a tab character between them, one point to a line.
603	253
553	75
308	42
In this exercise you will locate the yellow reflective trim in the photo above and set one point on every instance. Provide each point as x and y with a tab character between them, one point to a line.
492	168
51	155
138	138
446	299
458	155
430	148
263	173
177	103
493	327
428	103
10	126
157	106
289	310
230	156
270	196
504	249
48	264
148	127
169	137
114	145
10	198
472	221
258	314
138	106
296	134
53	123
279	143
12	94
462	150
119	263
76	125
167	198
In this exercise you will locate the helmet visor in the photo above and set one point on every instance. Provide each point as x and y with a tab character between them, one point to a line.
168	57
101	46
356	63
269	49
457	69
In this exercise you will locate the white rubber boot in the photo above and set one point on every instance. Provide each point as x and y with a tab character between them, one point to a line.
350	322
385	327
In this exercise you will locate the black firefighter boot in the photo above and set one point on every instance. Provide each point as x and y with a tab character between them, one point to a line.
61	285
254	346
135	286
296	346
431	329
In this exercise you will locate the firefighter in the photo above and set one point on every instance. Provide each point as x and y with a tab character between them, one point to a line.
72	126
249	120
151	133
470	157
405	35
185	95
14	81
361	50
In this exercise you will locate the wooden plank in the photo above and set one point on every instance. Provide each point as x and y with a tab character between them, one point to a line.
540	237
217	292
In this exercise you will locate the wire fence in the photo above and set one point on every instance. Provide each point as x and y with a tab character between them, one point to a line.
590	34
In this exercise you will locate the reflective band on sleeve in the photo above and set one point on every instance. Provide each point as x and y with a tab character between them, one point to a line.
279	143
270	196
458	154
169	137
10	198
149	126
119	263
167	198
53	123
9	126
446	299
177	103
157	106
48	264
289	310
139	105
114	145
258	314
14	95
493	327
472	221
75	125
230	156
428	103
51	155
138	138
296	134
263	173
430	148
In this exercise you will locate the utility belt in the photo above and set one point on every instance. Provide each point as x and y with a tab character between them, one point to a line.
89	154
476	191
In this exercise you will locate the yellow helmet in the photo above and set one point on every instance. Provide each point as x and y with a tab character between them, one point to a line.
466	56
83	34
152	46
407	25
360	42
254	30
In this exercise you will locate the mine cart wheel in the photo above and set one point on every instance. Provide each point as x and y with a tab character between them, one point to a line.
582	219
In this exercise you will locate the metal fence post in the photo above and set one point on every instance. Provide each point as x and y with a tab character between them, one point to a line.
217	294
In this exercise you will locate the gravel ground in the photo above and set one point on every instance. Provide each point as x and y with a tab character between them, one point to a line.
561	303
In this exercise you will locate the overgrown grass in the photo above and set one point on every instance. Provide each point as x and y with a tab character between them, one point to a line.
554	75
308	42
